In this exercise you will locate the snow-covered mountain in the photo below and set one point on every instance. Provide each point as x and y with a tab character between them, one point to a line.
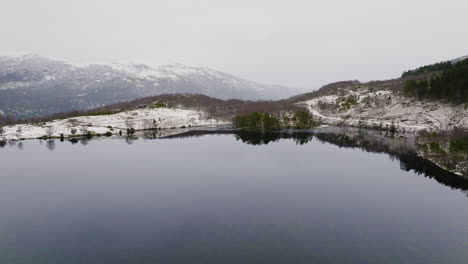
32	85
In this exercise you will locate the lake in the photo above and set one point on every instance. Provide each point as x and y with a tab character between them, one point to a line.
327	196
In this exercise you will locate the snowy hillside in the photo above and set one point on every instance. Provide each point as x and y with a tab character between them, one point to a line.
32	85
160	118
423	98
380	109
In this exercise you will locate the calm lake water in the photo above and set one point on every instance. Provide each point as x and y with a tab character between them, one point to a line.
293	197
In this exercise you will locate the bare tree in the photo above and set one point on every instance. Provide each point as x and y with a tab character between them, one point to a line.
149	124
129	123
73	131
50	131
129	140
150	127
50	144
19	131
84	130
2	137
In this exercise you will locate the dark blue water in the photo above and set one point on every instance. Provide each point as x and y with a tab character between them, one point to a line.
228	199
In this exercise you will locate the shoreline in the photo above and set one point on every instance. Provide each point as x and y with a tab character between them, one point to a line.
226	127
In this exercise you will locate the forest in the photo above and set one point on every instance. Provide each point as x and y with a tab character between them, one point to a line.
268	122
450	85
441	66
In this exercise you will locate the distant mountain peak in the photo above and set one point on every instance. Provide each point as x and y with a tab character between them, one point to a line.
63	86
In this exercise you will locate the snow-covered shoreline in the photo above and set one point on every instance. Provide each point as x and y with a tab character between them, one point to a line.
383	109
440	165
160	118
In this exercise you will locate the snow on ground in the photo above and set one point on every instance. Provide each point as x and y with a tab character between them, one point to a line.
362	97
171	71
138	119
382	108
329	99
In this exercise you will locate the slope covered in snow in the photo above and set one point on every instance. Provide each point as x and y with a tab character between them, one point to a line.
362	106
32	85
158	118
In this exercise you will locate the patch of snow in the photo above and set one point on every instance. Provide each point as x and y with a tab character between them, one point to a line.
329	99
138	119
172	71
49	78
383	108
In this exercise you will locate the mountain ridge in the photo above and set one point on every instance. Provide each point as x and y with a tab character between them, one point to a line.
33	85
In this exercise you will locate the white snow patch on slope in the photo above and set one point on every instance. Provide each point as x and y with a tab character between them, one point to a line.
138	119
384	108
171	71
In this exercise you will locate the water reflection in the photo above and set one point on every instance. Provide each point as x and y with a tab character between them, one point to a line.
50	143
402	149
253	138
12	143
286	197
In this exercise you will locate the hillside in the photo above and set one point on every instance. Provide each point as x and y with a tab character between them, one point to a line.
382	105
162	112
381	109
431	97
161	121
32	86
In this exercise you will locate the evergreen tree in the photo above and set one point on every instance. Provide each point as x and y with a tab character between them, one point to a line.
303	120
450	85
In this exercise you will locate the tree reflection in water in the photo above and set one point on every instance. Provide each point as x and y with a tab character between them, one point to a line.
255	138
398	148
50	144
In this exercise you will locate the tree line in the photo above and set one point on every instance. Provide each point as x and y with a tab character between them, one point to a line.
450	85
441	66
268	122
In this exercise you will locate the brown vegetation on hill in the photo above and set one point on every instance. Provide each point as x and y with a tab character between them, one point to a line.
216	108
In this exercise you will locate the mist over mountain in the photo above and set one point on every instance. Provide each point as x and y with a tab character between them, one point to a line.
31	85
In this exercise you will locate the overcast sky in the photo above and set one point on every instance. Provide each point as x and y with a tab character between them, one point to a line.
290	42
